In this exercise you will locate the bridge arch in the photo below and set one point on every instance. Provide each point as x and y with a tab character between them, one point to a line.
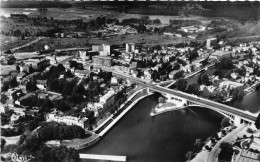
231	117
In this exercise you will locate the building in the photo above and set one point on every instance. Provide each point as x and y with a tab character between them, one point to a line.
69	120
168	34
50	95
83	55
6	70
102	61
103	49
114	81
247	156
249	69
38	64
130	47
107	100
190	29
212	42
230	84
217	55
15	116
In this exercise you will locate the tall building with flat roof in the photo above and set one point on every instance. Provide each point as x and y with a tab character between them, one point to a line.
212	42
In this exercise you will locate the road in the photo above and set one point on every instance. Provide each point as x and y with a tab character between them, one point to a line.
193	98
72	49
213	156
26	44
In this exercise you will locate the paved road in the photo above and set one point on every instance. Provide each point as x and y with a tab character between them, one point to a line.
213	156
72	49
193	98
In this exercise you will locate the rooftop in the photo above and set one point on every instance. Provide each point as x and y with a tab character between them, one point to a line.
221	53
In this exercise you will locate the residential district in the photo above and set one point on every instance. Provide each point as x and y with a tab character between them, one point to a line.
72	98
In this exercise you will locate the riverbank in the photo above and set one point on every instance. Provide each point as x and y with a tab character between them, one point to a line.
109	123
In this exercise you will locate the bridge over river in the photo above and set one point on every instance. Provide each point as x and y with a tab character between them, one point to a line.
237	115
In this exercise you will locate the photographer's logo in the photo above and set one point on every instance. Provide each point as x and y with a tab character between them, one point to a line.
20	158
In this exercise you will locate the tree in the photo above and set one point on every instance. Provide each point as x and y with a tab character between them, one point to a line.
13	82
193	89
181	84
226	151
31	86
225	122
224	63
178	75
198	144
4	98
161	100
257	122
205	79
189	155
237	93
2	143
157	21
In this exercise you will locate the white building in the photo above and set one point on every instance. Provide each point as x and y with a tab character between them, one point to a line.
230	84
69	120
107	100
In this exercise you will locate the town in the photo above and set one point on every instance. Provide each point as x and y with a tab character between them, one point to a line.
69	96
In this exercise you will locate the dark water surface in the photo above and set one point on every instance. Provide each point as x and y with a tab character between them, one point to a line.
166	137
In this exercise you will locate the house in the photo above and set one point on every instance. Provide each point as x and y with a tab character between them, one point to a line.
169	34
217	55
147	73
172	73
209	88
249	69
230	84
6	70
15	116
114	81
234	75
38	64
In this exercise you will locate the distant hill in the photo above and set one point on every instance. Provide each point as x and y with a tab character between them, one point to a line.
242	11
33	4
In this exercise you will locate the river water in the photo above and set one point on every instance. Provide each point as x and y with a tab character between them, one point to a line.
166	137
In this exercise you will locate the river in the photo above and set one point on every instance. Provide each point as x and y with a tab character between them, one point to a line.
166	137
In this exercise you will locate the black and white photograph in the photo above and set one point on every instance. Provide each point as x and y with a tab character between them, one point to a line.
130	80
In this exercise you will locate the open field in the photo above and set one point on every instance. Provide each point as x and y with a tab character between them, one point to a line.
165	19
8	42
57	13
151	39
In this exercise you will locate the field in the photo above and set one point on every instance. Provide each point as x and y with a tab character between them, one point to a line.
57	13
165	19
151	39
8	42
